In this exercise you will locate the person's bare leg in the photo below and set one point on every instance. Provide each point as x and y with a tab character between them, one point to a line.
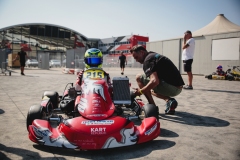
148	94
190	78
166	98
22	69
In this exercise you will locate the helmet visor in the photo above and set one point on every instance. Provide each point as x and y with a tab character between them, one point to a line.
93	61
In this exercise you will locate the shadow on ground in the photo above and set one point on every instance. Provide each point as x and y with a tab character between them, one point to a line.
2	111
167	133
212	90
194	120
25	154
129	152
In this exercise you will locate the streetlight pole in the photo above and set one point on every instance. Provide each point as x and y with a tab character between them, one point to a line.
114	45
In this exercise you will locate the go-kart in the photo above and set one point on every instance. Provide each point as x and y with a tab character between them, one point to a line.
234	72
230	74
220	76
93	117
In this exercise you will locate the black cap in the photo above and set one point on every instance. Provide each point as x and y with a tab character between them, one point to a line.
188	32
137	48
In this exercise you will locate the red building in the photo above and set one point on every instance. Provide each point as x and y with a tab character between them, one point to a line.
115	45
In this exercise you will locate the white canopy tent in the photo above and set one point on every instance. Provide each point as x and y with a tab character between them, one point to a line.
219	25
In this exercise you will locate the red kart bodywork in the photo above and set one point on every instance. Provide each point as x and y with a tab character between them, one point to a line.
97	127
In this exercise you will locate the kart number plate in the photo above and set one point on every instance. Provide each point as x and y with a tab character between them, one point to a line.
93	74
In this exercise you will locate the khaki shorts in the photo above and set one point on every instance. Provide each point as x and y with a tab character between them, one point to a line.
162	88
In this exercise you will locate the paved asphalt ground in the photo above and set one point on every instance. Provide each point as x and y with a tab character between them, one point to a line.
206	125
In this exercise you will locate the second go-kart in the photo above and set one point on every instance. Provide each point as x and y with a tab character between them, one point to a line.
234	73
93	117
221	75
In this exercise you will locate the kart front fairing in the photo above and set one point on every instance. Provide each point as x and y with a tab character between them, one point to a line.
97	127
81	133
95	102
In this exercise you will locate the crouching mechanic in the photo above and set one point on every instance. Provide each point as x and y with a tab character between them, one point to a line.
161	79
93	60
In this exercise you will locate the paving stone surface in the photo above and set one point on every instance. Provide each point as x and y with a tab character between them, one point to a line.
206	124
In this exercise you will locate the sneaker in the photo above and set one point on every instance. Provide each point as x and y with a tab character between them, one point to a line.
171	105
187	87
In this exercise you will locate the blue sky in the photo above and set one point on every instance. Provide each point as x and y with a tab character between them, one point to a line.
158	19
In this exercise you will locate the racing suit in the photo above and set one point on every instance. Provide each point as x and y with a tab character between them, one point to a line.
80	79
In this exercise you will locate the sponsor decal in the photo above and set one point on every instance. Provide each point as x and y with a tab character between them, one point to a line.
98	131
81	109
96	98
102	122
42	132
96	105
91	87
84	140
97	115
96	101
82	105
151	130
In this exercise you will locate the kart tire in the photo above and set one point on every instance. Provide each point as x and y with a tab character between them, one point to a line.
54	97
133	96
230	78
150	110
209	76
35	112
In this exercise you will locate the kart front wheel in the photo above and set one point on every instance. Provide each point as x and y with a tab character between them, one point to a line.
150	110
35	112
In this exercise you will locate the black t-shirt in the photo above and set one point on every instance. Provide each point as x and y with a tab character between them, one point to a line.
164	67
122	58
22	55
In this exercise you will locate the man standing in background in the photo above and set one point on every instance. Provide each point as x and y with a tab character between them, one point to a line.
187	56
22	54
122	60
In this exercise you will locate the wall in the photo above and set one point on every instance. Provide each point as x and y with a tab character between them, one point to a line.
203	63
168	48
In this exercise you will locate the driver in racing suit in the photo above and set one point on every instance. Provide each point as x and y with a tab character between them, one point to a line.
93	60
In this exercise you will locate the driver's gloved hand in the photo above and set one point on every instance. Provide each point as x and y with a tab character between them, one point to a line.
79	77
108	78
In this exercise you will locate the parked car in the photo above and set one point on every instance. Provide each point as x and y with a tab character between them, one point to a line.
54	63
31	63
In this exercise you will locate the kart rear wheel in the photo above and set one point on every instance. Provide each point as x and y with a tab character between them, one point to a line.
54	97
150	110
230	77
35	112
133	96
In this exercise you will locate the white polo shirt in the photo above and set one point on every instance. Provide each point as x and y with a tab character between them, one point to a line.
188	52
